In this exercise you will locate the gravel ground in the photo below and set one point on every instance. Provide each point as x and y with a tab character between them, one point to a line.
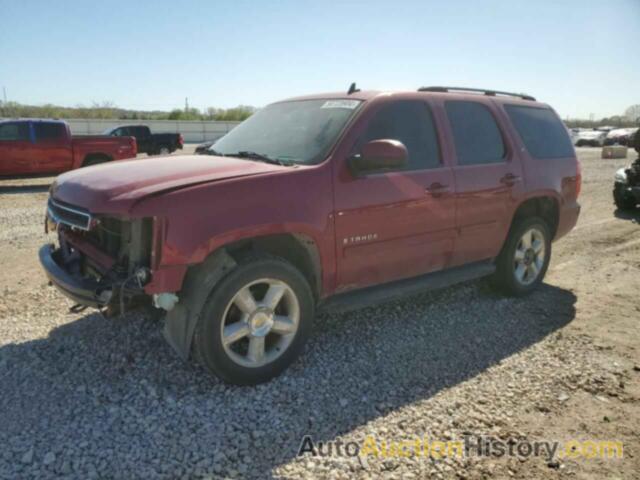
82	396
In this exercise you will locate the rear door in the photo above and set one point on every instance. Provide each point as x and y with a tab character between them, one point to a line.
394	225
15	149
52	148
488	178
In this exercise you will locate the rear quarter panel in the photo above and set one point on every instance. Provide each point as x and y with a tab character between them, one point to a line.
116	148
557	178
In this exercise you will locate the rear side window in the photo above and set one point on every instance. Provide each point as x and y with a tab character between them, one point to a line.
542	132
14	131
139	131
48	131
475	132
411	123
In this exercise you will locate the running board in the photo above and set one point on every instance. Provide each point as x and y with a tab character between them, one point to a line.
369	296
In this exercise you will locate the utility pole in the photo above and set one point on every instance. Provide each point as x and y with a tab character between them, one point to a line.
4	93
186	104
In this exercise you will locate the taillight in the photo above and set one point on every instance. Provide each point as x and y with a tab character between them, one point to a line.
578	178
180	139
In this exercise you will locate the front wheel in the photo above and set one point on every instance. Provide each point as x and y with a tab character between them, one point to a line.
256	321
524	259
622	199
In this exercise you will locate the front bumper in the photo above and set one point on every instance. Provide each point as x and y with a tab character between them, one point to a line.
82	290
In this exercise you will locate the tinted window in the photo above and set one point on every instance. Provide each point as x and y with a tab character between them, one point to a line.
412	124
542	132
138	131
48	131
14	131
475	133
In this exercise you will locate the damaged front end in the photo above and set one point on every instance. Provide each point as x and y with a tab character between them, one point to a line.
100	261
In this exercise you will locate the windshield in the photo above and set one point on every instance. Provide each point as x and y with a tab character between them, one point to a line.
300	131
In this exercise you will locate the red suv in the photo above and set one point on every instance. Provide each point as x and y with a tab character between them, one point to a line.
325	201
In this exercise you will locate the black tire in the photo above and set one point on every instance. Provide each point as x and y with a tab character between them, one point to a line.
97	160
623	200
166	148
207	343
504	279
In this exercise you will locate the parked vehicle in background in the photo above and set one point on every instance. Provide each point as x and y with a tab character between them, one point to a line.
590	138
330	201
33	147
149	143
574	133
626	184
203	148
620	136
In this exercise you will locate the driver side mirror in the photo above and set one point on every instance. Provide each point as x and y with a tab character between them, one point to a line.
379	156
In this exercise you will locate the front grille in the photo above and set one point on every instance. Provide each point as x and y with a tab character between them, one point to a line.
71	216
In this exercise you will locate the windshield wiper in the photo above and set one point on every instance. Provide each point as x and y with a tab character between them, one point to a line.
260	157
211	151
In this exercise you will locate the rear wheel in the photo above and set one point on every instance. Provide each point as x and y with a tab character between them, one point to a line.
95	160
164	150
255	322
524	259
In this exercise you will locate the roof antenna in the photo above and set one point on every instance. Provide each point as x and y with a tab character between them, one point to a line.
353	89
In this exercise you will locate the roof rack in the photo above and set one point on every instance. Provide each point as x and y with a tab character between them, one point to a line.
491	93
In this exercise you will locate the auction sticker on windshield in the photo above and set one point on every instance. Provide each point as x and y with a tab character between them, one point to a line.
350	104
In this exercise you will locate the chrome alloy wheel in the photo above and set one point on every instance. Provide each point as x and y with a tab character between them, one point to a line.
529	256
260	322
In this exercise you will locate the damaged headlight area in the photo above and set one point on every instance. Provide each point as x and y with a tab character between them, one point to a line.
99	261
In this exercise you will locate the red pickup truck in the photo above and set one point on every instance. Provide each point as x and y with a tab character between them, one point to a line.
330	201
35	147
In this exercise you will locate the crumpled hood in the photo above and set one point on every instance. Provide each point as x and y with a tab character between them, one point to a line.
115	186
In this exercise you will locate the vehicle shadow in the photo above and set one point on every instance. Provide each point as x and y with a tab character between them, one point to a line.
632	215
111	382
13	189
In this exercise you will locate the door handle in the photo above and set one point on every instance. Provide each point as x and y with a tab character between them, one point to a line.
510	179
437	189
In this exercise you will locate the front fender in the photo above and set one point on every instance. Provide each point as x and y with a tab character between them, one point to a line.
181	321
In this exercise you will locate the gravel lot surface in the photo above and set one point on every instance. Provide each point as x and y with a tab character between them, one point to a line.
82	396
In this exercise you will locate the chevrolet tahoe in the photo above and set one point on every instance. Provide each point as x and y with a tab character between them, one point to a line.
328	201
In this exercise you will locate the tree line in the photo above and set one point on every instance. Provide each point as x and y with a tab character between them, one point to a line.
107	110
630	118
